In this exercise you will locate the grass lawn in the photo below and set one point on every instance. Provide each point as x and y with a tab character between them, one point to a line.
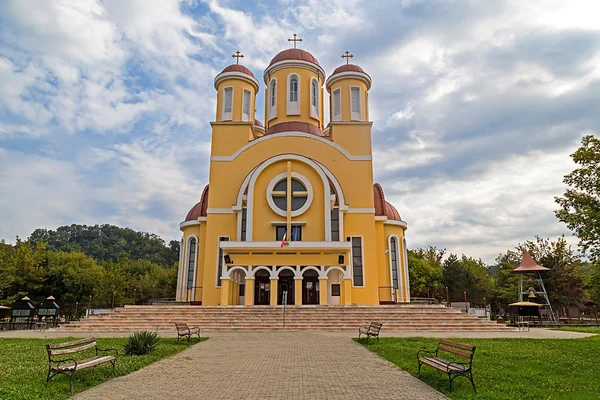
24	367
509	368
579	329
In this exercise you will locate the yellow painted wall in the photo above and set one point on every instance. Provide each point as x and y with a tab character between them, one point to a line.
345	85
238	87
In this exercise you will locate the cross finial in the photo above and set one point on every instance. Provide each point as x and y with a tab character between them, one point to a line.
237	56
295	39
347	56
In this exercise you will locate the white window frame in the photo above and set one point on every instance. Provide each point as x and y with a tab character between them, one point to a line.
227	116
293	107
399	274
406	275
272	104
356	116
334	116
314	108
187	267
224	266
362	250
367	104
246	117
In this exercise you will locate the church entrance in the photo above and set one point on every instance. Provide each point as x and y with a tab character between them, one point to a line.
310	287
262	285
286	284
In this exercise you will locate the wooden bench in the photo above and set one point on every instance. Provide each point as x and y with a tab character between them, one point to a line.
454	369
184	330
68	366
371	330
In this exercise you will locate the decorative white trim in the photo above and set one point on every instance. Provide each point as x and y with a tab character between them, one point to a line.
278	178
223	265
291	134
219	211
186	267
351	123
282	223
227	116
336	117
281	157
401	224
180	270
293	64
272	107
348	74
291	108
360	211
188	223
380	218
237	75
246	117
353	115
314	109
276	245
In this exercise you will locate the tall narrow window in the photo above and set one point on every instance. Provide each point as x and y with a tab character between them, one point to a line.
227	103
220	261
314	99
191	263
405	261
293	104
337	105
355	103
357	260
367	105
246	105
335	224
244	223
273	99
394	261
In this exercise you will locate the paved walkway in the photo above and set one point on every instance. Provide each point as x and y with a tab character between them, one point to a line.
287	365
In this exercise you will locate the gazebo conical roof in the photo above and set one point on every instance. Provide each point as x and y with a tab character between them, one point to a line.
528	265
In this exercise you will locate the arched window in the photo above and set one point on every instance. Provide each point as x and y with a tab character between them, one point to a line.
355	113
337	105
314	99
246	100
273	99
293	97
191	263
227	103
394	261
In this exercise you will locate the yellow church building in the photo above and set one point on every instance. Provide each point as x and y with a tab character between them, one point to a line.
291	213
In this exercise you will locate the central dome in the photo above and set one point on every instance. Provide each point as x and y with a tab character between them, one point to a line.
294	54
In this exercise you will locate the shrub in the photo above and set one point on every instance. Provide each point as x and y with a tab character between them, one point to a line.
141	343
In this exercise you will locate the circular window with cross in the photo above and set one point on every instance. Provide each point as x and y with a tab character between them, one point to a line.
299	189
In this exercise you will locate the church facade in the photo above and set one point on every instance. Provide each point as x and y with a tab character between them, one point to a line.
291	213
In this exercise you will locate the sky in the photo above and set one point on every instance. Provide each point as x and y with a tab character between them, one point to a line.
105	106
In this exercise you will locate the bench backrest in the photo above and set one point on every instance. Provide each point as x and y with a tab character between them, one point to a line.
60	349
181	325
375	326
462	350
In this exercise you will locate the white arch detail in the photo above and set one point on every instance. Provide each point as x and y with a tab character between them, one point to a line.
293	134
256	269
317	270
186	266
237	268
286	268
334	268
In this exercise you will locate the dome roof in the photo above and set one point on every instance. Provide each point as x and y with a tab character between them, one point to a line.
348	68
199	209
258	123
238	68
294	54
295	126
382	207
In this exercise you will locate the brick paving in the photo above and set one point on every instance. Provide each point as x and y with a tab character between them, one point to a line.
284	365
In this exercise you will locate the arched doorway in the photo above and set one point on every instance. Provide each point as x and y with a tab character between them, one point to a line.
262	285
310	287
286	284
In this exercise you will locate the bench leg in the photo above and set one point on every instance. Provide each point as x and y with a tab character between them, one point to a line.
419	370
451	379
472	382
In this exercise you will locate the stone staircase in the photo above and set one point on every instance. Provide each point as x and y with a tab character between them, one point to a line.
405	317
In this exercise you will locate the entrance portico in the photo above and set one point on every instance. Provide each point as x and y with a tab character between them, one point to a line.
324	276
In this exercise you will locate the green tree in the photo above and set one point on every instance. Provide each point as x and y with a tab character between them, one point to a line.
72	276
466	275
425	272
580	204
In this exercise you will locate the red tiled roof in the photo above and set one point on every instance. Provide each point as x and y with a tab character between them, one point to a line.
199	209
258	123
295	126
238	68
294	54
528	264
348	68
382	207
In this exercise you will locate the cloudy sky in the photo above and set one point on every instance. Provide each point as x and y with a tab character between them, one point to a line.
105	106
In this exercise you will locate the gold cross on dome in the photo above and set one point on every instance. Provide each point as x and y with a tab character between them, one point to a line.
237	56
347	56
295	39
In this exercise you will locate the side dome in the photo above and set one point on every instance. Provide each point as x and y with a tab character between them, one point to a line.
237	71
348	71
199	209
348	68
238	68
382	207
294	54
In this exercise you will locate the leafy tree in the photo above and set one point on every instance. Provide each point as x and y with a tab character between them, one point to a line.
466	275
580	204
425	272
